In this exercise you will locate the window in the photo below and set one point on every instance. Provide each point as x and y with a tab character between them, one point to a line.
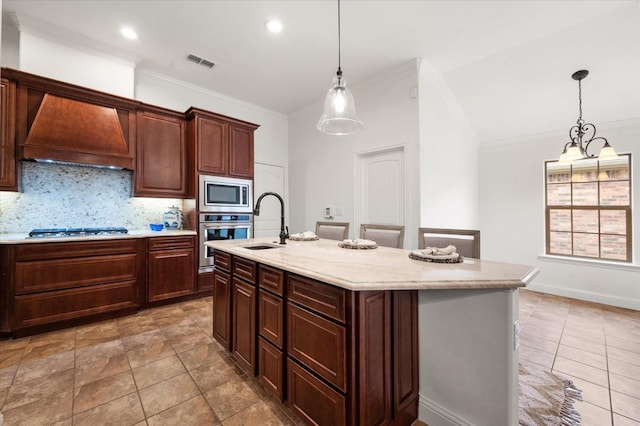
588	208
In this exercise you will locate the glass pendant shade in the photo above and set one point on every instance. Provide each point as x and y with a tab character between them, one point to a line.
574	152
339	114
607	151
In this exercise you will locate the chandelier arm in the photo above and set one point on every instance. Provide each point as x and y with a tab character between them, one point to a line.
586	146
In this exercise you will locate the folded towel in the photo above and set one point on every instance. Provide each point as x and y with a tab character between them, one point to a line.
435	251
305	235
359	242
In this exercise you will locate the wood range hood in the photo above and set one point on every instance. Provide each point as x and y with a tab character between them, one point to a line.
59	122
77	132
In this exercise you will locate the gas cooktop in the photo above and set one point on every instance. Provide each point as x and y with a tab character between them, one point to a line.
76	232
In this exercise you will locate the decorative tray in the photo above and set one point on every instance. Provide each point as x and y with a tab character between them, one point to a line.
436	259
299	238
356	245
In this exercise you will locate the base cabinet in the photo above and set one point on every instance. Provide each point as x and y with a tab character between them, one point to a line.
335	357
54	285
222	308
170	268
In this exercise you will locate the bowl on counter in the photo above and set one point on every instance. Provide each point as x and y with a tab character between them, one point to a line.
156	226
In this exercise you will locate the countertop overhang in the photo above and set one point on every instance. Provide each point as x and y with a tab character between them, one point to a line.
382	268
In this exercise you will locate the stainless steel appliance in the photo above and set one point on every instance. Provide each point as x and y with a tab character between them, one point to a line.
75	232
221	227
225	195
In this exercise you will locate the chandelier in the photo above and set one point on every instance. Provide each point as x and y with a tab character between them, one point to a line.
582	134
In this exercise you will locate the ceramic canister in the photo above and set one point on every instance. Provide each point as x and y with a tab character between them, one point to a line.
172	218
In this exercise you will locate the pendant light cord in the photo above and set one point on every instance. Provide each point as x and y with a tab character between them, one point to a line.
339	69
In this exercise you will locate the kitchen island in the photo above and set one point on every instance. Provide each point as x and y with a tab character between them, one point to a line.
351	327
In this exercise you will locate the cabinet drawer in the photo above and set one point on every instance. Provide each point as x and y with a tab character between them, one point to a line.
222	260
167	243
57	274
271	279
271	368
245	269
52	306
271	318
313	400
317	343
323	298
35	251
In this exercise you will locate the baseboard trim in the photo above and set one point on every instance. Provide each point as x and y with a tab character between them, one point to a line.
585	295
434	414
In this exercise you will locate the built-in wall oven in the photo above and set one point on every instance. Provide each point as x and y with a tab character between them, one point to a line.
221	226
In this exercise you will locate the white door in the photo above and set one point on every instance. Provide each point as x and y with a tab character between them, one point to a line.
267	178
380	188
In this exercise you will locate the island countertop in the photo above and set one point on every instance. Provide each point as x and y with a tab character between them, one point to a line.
382	268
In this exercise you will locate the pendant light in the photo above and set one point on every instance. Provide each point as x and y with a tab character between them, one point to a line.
578	147
339	114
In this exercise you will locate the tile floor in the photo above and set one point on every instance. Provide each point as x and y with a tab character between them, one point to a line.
161	367
596	346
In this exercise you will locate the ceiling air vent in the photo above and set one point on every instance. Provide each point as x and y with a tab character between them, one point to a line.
198	60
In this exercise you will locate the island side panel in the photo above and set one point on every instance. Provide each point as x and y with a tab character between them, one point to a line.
468	359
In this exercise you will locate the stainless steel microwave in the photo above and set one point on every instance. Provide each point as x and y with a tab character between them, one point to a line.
225	195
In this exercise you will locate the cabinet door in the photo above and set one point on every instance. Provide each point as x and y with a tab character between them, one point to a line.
319	344
244	325
270	368
240	152
8	167
161	163
222	308
213	146
171	274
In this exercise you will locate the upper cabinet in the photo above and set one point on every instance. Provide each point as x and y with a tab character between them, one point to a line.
63	122
221	146
45	119
161	154
8	167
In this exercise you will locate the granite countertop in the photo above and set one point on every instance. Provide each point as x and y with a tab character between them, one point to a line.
135	233
382	268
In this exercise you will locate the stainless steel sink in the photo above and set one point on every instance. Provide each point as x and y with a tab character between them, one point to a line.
263	246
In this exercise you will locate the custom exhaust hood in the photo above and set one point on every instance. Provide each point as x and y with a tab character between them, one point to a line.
62	122
71	131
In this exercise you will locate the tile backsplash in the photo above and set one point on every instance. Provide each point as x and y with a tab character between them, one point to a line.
60	196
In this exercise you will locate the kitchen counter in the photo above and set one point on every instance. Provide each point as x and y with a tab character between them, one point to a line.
136	233
467	319
382	268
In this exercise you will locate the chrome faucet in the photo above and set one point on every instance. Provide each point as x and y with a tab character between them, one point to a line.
283	234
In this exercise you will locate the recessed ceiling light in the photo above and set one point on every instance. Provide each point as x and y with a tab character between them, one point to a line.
128	33
273	25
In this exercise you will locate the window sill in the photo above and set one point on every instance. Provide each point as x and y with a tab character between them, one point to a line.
589	262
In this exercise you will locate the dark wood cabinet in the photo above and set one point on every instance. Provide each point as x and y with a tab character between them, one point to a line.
170	267
220	145
244	325
8	164
271	329
222	308
59	284
243	313
161	154
336	357
240	151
